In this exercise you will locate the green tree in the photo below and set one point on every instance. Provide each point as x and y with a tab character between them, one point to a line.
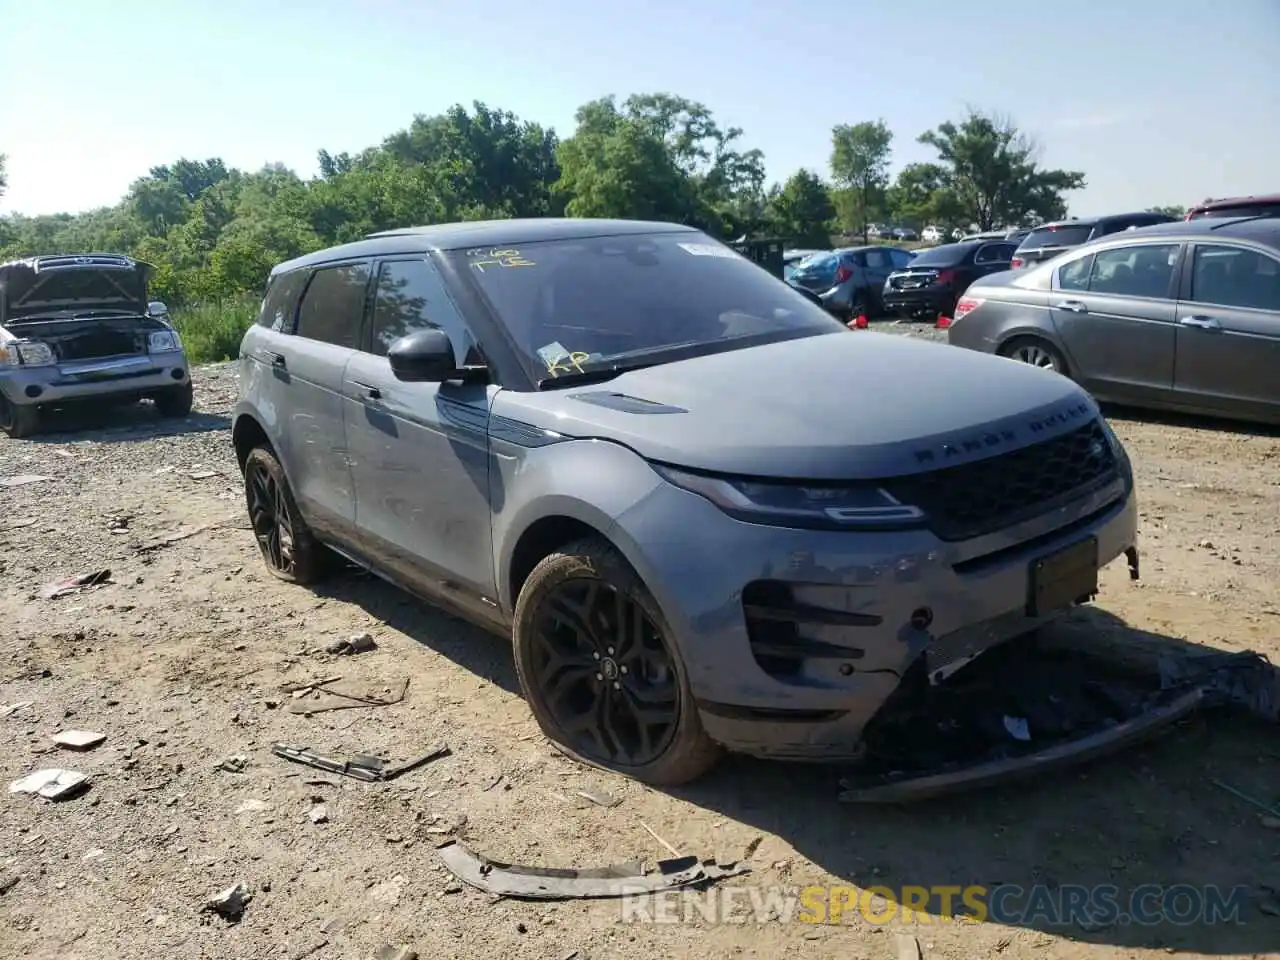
801	210
1172	210
990	167
920	196
4	178
860	155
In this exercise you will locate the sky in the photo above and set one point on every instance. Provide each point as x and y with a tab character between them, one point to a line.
1156	102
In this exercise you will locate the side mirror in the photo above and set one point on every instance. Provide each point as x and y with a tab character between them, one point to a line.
157	309
424	356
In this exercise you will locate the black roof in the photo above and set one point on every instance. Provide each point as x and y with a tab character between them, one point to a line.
481	233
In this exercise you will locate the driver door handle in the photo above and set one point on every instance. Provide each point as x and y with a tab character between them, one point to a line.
370	391
276	359
1201	322
1073	306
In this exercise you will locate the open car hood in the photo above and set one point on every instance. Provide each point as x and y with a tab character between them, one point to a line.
72	285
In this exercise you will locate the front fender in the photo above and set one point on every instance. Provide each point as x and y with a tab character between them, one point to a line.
595	482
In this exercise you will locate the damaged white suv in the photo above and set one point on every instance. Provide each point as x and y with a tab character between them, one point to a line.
77	328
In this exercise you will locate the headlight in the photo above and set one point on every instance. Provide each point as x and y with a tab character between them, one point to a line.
163	341
844	507
29	353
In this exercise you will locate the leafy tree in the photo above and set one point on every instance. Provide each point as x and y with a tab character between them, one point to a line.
920	196
860	156
991	170
1173	210
801	210
4	178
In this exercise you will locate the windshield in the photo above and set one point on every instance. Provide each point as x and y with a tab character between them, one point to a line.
584	304
1067	235
945	256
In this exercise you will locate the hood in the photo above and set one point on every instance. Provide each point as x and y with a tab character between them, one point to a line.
67	285
842	406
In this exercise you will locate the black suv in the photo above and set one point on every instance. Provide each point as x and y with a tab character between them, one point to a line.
1050	239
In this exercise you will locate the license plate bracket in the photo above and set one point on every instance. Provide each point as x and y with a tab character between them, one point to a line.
1063	578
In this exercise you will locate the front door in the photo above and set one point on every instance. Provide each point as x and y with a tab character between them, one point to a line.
1229	330
419	451
1115	312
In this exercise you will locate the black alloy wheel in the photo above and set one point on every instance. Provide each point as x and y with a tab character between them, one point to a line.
288	547
599	671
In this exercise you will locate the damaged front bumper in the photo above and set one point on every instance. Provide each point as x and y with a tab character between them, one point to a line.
72	381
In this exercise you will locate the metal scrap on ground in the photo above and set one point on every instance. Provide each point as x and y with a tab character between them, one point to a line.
51	784
78	739
344	695
362	766
69	585
573	883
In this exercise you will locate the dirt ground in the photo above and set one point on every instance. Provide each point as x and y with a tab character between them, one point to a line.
185	659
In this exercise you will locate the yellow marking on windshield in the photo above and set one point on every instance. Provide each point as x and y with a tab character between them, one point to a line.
499	258
568	363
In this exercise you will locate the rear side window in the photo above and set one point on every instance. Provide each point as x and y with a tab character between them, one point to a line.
280	304
1137	271
1234	277
333	305
1075	275
994	253
878	260
900	258
410	296
1067	235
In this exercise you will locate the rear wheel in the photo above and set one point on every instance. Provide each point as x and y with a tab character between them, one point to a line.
289	548
1035	352
18	420
175	401
599	670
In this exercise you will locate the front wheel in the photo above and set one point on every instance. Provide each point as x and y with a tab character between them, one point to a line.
18	420
289	548
1036	353
175	401
600	672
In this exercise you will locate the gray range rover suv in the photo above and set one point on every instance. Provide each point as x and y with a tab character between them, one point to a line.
655	468
78	328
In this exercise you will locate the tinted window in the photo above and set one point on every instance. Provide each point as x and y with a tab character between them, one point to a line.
945	256
900	258
1236	278
411	296
333	305
1139	271
1067	235
281	302
587	303
1075	275
1265	209
994	252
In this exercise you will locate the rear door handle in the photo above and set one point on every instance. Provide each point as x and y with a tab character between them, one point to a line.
370	391
1073	306
277	359
1201	322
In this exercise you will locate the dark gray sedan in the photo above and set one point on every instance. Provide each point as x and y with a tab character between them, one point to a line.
1181	316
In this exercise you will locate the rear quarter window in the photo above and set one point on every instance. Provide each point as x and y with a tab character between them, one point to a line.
280	302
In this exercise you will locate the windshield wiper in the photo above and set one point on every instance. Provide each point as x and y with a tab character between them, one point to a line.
597	375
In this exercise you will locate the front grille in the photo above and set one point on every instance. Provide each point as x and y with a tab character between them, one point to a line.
978	498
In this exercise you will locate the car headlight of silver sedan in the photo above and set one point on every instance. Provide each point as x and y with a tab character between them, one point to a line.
163	341
783	504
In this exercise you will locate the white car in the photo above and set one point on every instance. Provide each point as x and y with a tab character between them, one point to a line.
932	234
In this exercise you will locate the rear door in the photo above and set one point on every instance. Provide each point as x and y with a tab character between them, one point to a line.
1115	311
419	451
1228	333
992	258
311	364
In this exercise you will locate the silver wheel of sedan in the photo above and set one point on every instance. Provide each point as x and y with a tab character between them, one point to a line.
1036	353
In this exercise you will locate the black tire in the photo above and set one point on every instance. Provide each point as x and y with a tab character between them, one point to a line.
18	420
684	752
860	306
1037	352
296	556
175	401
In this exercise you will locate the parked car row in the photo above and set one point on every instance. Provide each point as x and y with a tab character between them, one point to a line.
1182	315
850	281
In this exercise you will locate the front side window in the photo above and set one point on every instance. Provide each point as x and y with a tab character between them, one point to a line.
1137	271
600	303
1235	277
333	305
411	296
